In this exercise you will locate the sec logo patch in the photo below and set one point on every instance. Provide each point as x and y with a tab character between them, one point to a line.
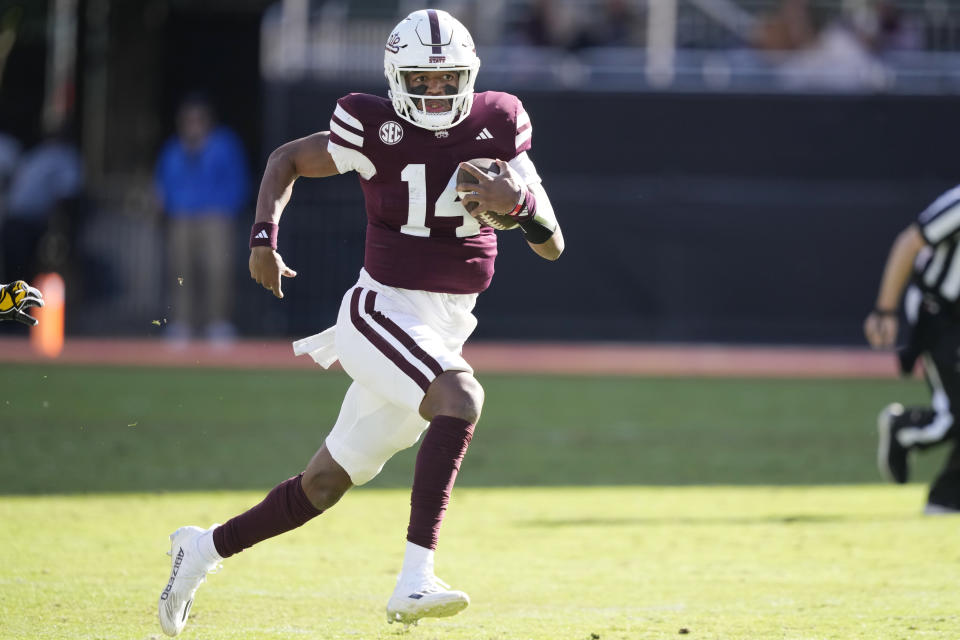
391	132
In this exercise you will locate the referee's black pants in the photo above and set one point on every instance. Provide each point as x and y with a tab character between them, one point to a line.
926	427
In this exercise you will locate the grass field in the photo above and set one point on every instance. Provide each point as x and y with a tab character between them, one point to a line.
567	522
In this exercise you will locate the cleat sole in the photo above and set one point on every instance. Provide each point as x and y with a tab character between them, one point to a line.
439	610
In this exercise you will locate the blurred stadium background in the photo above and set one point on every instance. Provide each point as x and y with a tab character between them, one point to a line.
730	175
727	170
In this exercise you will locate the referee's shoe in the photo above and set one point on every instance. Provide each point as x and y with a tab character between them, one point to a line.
891	455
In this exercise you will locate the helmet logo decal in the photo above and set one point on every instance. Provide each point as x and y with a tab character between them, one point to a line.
391	132
437	59
393	43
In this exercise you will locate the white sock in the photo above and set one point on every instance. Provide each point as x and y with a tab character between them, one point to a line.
206	548
417	563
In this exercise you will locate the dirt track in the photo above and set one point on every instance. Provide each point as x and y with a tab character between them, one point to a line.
556	358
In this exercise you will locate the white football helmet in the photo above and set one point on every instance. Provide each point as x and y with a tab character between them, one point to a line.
430	40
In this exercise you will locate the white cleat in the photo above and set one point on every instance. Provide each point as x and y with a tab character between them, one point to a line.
188	570
429	598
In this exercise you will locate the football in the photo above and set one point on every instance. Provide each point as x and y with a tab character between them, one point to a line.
485	218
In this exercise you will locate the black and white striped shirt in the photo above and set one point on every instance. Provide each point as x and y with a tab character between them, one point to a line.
938	268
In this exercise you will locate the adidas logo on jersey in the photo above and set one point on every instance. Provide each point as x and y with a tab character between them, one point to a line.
485	135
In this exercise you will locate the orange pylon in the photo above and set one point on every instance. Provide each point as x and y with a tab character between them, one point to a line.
47	337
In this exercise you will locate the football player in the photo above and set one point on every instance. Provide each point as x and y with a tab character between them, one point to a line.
922	275
15	298
401	328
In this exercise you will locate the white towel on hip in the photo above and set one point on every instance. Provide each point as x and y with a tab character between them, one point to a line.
321	347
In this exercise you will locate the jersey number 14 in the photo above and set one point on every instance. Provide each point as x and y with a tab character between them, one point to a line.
446	206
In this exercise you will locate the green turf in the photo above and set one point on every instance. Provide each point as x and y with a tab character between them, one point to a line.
542	558
78	429
621	563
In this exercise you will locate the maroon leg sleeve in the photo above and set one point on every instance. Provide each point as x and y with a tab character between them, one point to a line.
438	462
286	507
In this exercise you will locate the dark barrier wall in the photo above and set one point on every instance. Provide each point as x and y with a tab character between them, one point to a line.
687	217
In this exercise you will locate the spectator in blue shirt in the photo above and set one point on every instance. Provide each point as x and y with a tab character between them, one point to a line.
203	184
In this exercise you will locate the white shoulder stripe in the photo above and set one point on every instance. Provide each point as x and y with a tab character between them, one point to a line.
522	119
523	136
341	113
349	136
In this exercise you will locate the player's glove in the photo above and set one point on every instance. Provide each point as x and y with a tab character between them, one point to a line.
17	296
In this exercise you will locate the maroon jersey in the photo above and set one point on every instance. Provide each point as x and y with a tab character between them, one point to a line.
419	236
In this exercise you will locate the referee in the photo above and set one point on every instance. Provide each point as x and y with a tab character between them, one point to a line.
925	261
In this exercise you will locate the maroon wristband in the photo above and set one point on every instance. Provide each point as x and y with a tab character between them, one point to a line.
264	234
526	208
529	205
517	209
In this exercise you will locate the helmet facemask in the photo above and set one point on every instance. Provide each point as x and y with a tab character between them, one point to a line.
411	103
